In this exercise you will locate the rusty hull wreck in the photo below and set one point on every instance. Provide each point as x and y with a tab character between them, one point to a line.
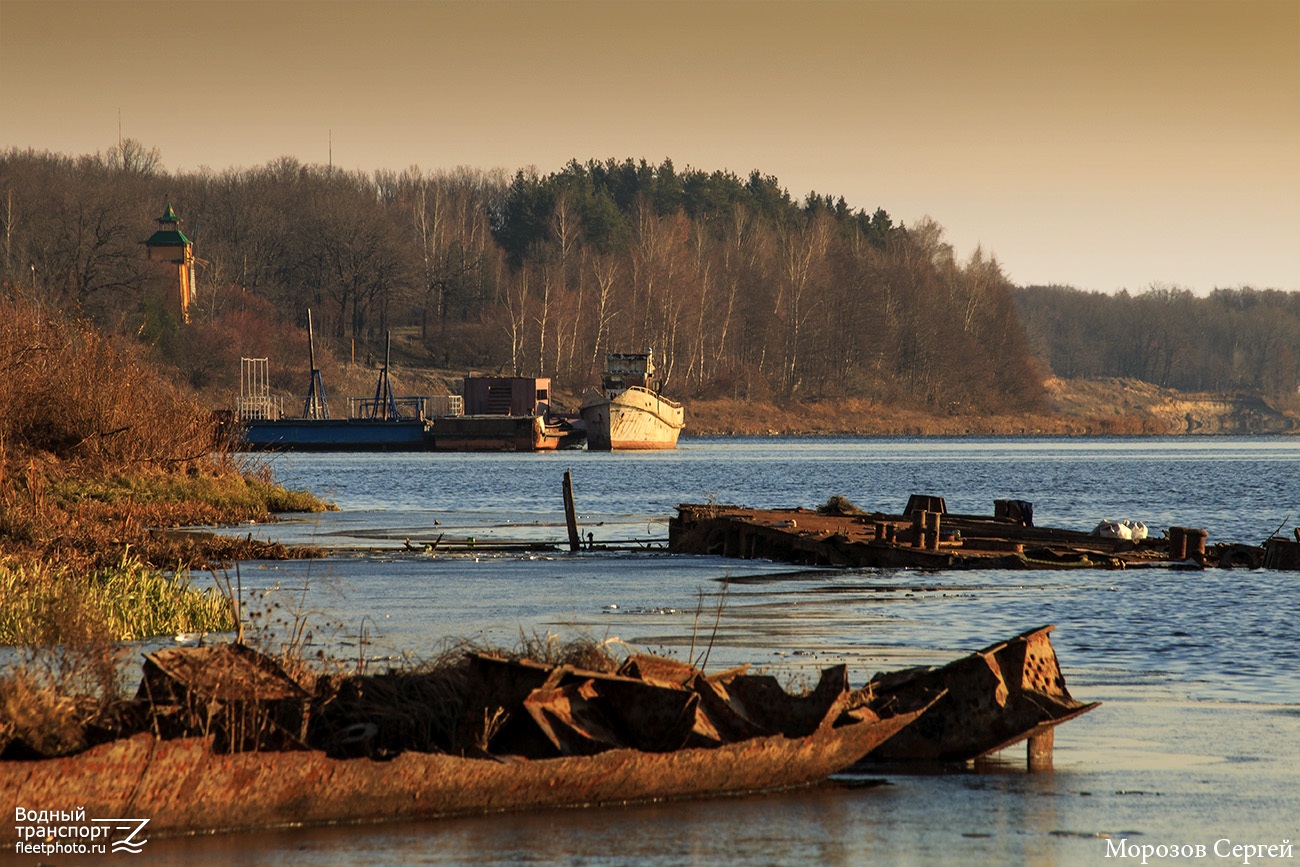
228	743
220	738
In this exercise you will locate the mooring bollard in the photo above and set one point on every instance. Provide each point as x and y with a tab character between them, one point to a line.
918	528
1177	544
932	520
1195	543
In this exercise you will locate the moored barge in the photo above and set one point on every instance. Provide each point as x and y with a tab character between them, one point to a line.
926	536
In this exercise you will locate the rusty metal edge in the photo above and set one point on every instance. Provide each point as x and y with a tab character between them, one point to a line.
1038	729
182	787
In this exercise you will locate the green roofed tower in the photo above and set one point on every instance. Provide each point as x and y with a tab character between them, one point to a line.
169	246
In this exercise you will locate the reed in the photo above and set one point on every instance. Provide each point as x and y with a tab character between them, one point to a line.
100	458
40	601
65	682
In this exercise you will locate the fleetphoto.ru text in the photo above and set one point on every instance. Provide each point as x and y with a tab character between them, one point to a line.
69	832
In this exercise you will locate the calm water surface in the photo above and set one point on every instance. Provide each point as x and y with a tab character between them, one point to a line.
1198	739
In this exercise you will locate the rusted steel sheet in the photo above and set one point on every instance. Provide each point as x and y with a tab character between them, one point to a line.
672	672
532	735
1282	554
242	697
993	699
221	672
579	712
182	786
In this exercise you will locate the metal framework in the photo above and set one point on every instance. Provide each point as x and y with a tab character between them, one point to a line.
255	390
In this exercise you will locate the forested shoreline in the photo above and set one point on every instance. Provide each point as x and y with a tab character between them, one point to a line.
743	292
1232	340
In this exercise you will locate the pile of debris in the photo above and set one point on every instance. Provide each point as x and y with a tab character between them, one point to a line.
485	704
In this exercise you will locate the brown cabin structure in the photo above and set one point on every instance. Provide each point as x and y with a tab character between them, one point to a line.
507	395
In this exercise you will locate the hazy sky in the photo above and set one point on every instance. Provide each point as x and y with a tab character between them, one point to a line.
1103	145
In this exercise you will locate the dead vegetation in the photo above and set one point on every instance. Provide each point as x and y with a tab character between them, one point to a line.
100	455
70	698
100	460
837	504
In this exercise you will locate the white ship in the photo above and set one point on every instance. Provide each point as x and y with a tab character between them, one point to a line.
627	411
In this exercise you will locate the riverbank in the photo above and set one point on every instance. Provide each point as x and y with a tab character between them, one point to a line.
1110	407
101	458
1073	407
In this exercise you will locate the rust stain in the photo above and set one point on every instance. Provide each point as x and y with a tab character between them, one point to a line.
230	742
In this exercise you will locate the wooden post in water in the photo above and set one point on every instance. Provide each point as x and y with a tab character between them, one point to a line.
570	513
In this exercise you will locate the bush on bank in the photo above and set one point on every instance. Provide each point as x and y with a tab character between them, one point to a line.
99	452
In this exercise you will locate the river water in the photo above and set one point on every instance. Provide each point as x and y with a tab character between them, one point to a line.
1197	742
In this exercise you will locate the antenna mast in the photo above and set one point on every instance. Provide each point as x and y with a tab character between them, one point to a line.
316	406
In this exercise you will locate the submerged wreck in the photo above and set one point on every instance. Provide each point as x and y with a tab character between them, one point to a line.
226	740
926	536
221	738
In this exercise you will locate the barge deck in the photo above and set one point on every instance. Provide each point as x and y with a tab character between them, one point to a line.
926	536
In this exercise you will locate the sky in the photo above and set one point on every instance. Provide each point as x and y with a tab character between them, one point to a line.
1096	144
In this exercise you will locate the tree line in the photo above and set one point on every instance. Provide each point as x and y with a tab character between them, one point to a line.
1240	339
740	289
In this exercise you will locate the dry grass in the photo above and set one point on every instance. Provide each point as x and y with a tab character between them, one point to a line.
69	673
582	652
99	456
71	626
72	393
1077	408
98	450
838	504
42	715
859	416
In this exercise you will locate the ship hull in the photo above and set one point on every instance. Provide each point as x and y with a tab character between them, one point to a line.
501	433
334	435
634	419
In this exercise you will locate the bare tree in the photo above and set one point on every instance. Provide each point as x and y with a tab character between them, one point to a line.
803	255
606	270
